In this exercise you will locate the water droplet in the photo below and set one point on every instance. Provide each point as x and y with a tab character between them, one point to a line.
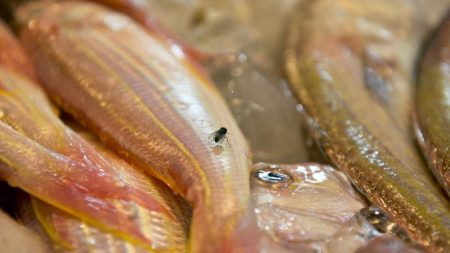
2	114
114	22
299	108
177	51
90	241
273	177
242	57
32	24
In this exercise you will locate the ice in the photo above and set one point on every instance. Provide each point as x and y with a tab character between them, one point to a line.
263	108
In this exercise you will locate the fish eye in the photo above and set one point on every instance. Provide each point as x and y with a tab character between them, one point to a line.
273	177
380	221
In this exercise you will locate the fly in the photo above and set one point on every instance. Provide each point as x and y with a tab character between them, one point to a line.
218	137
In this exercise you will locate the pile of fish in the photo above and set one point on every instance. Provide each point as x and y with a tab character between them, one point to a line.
208	126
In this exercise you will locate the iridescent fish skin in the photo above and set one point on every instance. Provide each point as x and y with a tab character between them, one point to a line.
63	232
245	87
352	72
74	235
70	234
42	156
433	105
154	109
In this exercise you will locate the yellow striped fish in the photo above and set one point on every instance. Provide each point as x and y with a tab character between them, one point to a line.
42	156
150	104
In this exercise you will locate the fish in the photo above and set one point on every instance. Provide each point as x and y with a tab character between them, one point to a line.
70	234
46	159
307	207
153	108
244	85
207	29
63	232
351	64
432	107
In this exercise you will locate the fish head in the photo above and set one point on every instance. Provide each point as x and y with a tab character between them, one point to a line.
300	204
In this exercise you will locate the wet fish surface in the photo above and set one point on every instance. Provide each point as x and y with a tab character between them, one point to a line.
43	157
433	105
152	106
306	208
350	64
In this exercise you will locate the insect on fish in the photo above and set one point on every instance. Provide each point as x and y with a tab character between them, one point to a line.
137	120
218	136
